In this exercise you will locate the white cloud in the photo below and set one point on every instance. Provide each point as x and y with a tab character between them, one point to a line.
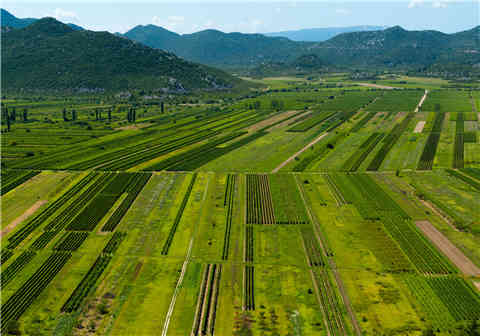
61	14
439	4
414	3
278	9
342	11
172	22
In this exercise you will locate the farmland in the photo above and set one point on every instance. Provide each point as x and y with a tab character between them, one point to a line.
304	208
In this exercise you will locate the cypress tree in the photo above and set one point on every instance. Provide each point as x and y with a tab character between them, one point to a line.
64	114
14	114
162	107
109	115
25	115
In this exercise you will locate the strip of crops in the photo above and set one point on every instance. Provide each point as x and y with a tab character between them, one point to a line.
25	231
71	241
311	122
249	286
135	187
6	254
287	202
12	184
314	254
178	217
421	253
93	213
229	203
432	305
472	172
389	141
19	302
464	178
329	301
249	243
204	321
470	137
259	200
362	122
458	149
459	298
430	149
86	285
43	240
61	220
333	183
16	266
356	159
114	243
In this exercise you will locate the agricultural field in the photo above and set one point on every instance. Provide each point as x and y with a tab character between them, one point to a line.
309	207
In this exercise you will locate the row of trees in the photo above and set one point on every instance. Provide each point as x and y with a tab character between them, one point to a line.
11	116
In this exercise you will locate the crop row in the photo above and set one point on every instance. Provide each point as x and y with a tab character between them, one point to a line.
461	300
356	159
136	185
314	254
19	302
93	213
458	149
472	172
389	141
421	253
474	184
259	200
178	217
249	288
43	240
6	254
71	241
87	283
16	266
114	243
315	119
287	203
430	149
11	183
25	231
331	306
86	196
206	311
362	122
249	243
229	203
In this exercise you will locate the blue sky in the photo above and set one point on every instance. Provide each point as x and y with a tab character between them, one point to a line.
254	16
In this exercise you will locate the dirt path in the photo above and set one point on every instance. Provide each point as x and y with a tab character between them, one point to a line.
419	127
333	267
377	86
451	251
177	289
440	214
30	211
299	152
474	106
420	103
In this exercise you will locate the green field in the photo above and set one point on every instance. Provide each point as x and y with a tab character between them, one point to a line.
309	207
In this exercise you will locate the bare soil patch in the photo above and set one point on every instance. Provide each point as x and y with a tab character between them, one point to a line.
377	86
133	127
30	211
451	251
419	127
420	103
477	284
271	120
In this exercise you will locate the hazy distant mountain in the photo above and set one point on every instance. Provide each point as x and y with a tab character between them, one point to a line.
9	20
396	46
320	34
50	55
214	47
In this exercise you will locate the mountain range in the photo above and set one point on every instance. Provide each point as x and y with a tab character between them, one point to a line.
9	20
50	55
320	34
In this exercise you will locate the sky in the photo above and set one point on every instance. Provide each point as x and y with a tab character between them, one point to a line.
259	16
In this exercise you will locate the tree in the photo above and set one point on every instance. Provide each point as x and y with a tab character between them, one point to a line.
109	115
74	115
25	115
64	114
8	123
162	107
14	114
